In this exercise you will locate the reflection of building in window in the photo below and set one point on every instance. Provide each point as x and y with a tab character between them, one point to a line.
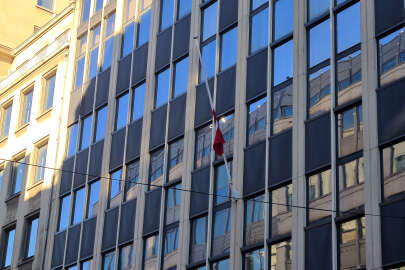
222	232
257	121
254	220
156	167
282	110
319	91
281	220
351	188
394	169
353	244
281	256
350	131
203	147
392	57
319	195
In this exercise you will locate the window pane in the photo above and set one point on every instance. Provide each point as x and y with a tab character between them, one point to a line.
221	184
171	243
173	203
49	92
254	260
87	265
6	119
229	49
109	261
350	131
349	77
226	124
93	63
257	121
79	72
45	3
86	132
348	19
221	265
184	8
180	77
156	167
32	240
82	44
319	195
41	162
115	187
85	10
282	109
162	88
129	10
96	36
99	4
319	43
27	104
101	123
210	20
284	18
208	57
166	16
125	259
9	247
317	8
108	51
198	239
254	220
72	139
18	176
110	25
128	39
143	31
138	101
391	51
78	206
351	185
281	256
257	3
93	201
394	169
353	244
175	163
222	232
64	212
319	92
121	112
1	178
281	214
203	147
132	179
150	252
259	31
283	63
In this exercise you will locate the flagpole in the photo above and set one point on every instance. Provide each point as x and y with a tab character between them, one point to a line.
207	87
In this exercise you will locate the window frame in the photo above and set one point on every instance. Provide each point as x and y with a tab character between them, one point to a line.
4	114
45	93
38	148
5	242
22	119
27	233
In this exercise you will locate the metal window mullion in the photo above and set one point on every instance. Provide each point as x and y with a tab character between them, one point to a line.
335	191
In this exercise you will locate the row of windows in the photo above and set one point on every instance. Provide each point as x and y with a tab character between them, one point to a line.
26	104
29	241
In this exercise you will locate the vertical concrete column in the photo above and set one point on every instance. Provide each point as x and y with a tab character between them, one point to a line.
298	137
371	153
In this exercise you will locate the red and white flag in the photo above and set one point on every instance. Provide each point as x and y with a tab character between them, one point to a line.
219	140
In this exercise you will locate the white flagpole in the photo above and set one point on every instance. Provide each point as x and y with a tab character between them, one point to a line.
207	87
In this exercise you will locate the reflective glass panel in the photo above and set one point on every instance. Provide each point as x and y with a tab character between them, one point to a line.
108	53
166	16
348	19
64	212
93	200
138	101
348	78
257	121
171	243
352	244
351	185
229	49
93	63
319	43
208	55
109	261
78	206
85	137
221	232
281	256
203	147
128	40
143	28
73	131
282	109
319	92
99	5
222	183
82	44
254	220
85	10
130	7
173	204
254	260
101	123
156	167
221	265
281	211
210	20
319	196
162	88
150	253
180	77
115	187
9	240
121	112
259	31
198	239
32	237
184	8
283	18
132	178
87	265
393	162
350	131
110	25
125	259
226	124
79	72
317	8
175	163
257	3
283	63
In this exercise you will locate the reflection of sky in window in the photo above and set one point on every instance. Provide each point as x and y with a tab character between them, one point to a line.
122	110
115	183
79	204
319	43
86	132
390	37
79	72
284	18
180	80
257	3
348	27
256	105
184	8
210	21
208	58
143	31
96	35
167	14
110	25
138	102
162	89
259	31
283	62
229	48
348	119
101	123
222	222
93	63
108	51
127	40
317	7
199	230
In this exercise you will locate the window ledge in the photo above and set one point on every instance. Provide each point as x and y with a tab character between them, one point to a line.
45	9
25	261
12	197
32	186
44	114
22	129
2	140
